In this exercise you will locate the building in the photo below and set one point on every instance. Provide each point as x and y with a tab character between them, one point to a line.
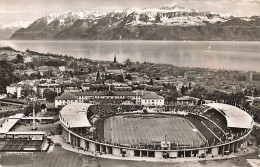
65	98
54	87
152	99
72	89
28	59
44	70
249	76
109	96
114	70
85	87
12	89
62	68
187	99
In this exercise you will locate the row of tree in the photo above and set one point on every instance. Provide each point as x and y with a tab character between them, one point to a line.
6	75
117	78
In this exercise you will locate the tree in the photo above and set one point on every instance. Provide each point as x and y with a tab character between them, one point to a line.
128	62
90	70
30	65
190	86
33	76
245	91
119	78
55	63
151	82
98	76
255	92
29	108
128	76
115	59
19	58
182	90
25	92
49	95
39	75
6	75
157	18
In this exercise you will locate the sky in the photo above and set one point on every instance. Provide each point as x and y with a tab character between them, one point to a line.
30	10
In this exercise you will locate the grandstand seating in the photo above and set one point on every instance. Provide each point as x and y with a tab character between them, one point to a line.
218	118
205	132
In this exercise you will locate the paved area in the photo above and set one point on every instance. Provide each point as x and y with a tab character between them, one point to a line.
254	162
257	124
58	139
60	157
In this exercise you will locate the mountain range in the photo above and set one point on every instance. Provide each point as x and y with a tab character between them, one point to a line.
166	23
7	29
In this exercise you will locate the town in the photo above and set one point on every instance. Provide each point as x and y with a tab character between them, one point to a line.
36	86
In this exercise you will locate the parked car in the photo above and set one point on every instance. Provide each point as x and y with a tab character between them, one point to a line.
203	155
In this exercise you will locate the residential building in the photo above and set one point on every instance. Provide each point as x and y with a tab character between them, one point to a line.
28	59
72	89
12	89
109	96
54	87
65	98
152	99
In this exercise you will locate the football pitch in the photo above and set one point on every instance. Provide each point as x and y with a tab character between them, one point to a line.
150	129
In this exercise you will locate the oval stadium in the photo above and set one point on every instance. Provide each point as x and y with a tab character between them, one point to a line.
168	132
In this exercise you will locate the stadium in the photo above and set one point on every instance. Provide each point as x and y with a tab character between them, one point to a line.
167	132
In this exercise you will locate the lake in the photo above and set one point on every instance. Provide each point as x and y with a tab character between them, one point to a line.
227	55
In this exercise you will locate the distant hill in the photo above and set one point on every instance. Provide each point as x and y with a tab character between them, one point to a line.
167	23
8	29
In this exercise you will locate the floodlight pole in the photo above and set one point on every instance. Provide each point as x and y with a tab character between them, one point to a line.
33	115
34	101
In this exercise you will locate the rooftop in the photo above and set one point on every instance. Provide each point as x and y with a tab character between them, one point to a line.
151	95
27	133
185	98
67	96
107	93
7	125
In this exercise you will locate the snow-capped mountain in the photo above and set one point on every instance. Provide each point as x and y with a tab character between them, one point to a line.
7	29
133	23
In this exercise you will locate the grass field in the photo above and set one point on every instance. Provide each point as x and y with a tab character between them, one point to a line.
63	158
135	129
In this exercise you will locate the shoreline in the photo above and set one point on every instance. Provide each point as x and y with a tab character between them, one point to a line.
193	55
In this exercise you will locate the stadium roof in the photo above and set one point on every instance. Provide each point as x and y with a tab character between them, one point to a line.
75	115
236	118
